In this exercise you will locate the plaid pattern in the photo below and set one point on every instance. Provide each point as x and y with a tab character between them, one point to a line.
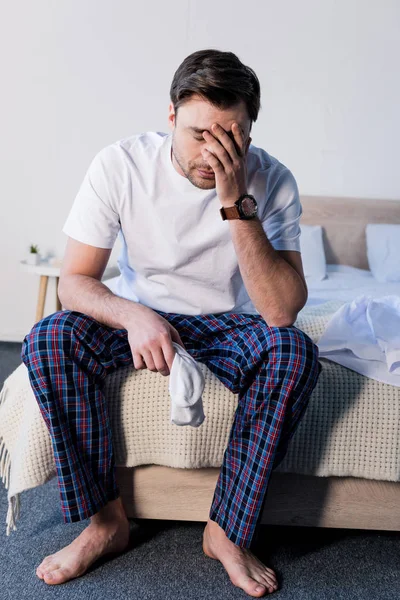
272	369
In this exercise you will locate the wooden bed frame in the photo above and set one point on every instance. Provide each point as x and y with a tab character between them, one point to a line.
159	492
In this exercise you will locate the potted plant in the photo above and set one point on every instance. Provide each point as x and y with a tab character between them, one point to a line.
33	257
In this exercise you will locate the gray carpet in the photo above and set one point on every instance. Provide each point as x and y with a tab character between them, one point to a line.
165	559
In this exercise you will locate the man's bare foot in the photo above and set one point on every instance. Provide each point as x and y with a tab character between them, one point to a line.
107	533
244	569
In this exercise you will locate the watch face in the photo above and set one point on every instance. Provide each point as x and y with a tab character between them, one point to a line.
249	206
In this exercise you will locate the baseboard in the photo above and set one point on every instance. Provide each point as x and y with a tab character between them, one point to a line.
12	337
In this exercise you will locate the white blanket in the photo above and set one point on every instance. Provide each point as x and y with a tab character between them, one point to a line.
364	335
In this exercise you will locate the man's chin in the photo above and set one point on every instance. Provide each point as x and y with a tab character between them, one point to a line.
205	185
202	182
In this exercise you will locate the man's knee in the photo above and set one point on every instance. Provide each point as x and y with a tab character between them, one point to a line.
307	347
294	352
311	365
49	331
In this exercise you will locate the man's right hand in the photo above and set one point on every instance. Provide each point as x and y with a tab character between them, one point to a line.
150	337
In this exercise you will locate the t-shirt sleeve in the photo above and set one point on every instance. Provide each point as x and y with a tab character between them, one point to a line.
281	222
93	218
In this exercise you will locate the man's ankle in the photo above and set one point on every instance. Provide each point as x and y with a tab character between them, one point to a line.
113	511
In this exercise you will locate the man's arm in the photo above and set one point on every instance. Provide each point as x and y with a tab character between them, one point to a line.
80	287
293	257
274	286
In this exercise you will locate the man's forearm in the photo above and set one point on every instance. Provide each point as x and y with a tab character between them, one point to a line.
274	287
91	297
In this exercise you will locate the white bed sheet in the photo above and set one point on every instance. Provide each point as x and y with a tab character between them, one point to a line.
344	282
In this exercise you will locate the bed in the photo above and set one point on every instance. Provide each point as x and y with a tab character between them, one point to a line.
363	496
342	468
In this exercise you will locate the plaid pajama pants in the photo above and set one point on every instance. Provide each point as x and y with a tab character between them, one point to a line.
272	369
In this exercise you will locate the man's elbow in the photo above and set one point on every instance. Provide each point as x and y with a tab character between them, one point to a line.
293	317
287	320
284	322
279	321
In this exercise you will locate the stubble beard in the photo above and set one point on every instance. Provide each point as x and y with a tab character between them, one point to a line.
191	173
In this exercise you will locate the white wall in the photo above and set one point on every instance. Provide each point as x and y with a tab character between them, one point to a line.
79	75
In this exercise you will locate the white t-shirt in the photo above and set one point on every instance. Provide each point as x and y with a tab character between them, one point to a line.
177	253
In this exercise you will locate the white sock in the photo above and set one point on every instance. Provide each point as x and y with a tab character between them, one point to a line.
186	385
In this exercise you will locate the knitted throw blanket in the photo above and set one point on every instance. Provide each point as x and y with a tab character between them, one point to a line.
350	428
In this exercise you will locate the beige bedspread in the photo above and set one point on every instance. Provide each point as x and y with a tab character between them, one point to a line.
351	426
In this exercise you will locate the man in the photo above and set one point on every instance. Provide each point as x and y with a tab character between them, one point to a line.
210	260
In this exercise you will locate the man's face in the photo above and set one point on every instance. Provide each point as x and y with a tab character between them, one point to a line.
192	118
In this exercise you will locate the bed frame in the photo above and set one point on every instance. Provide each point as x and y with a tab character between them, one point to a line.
159	492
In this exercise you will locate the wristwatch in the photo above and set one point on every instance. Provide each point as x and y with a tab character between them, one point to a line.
245	207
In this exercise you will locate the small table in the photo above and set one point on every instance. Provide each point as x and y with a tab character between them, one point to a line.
46	270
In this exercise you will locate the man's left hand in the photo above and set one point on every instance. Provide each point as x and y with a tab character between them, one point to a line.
228	161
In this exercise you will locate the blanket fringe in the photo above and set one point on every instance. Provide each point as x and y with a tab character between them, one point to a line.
3	392
13	502
13	513
5	468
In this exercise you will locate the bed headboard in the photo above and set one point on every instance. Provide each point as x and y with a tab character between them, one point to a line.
343	221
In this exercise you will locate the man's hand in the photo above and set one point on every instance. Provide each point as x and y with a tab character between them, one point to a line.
150	338
227	158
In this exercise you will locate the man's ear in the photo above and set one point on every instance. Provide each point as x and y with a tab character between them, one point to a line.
171	116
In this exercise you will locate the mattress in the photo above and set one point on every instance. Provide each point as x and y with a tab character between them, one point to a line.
352	423
351	426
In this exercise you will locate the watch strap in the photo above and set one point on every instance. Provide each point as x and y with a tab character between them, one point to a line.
230	212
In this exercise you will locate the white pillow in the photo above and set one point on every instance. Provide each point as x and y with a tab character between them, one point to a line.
312	252
383	251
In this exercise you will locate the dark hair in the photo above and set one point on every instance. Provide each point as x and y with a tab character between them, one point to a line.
219	77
